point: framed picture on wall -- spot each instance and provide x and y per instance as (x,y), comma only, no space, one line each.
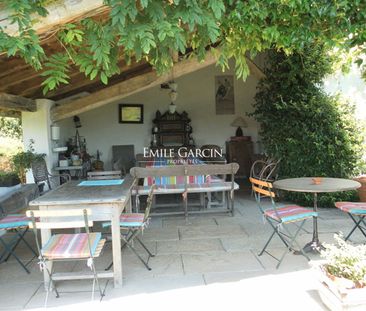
(131,113)
(224,94)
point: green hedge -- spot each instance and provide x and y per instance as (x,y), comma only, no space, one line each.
(313,134)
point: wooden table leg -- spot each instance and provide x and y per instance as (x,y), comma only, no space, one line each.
(45,236)
(116,248)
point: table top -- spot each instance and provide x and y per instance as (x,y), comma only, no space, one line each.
(70,193)
(305,184)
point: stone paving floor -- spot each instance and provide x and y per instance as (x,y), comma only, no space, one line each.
(209,263)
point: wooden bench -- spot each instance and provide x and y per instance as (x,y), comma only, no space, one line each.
(100,175)
(213,185)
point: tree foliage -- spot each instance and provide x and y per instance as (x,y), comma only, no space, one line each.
(155,30)
(313,134)
(10,127)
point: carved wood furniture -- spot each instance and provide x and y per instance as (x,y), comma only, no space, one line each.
(241,152)
(171,130)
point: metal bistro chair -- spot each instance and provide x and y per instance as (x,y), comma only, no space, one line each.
(280,217)
(133,224)
(19,225)
(42,176)
(357,212)
(67,247)
(265,169)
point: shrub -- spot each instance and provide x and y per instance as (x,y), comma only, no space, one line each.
(344,260)
(8,179)
(313,134)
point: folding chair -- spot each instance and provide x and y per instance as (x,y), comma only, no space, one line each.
(280,217)
(67,247)
(133,224)
(357,212)
(19,225)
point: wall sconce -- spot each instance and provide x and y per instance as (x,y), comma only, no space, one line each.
(55,132)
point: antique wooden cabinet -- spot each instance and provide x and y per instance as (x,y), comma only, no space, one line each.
(241,152)
(171,130)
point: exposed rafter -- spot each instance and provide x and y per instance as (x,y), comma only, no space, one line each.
(127,88)
(10,113)
(16,103)
(60,12)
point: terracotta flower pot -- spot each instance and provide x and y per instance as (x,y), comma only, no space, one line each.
(362,190)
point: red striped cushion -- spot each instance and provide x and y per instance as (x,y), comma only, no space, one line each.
(71,245)
(132,220)
(290,213)
(352,207)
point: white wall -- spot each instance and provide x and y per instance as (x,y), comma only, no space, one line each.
(36,127)
(196,95)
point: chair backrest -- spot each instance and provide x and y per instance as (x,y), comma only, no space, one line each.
(40,171)
(143,172)
(123,157)
(265,169)
(149,202)
(262,189)
(102,175)
(60,219)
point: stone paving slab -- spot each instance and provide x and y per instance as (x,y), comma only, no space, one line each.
(189,246)
(202,232)
(219,262)
(192,220)
(160,234)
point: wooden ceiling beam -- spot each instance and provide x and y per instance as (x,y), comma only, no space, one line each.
(10,113)
(127,88)
(16,103)
(60,12)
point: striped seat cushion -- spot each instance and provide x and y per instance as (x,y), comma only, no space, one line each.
(14,221)
(290,213)
(129,220)
(352,207)
(71,245)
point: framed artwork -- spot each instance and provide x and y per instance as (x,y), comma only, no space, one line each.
(131,113)
(224,94)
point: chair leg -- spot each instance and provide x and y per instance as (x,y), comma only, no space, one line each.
(144,246)
(51,283)
(357,225)
(267,243)
(96,280)
(9,250)
(290,244)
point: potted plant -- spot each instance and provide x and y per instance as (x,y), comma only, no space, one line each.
(342,276)
(22,161)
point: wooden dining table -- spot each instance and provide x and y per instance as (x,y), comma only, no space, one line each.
(106,203)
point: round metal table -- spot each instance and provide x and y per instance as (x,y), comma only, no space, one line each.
(306,184)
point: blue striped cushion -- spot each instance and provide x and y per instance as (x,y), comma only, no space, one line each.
(129,220)
(14,221)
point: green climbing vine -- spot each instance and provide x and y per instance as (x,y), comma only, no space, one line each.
(155,30)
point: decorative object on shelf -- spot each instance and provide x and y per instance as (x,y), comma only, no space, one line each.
(77,122)
(97,164)
(174,130)
(131,113)
(239,122)
(224,94)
